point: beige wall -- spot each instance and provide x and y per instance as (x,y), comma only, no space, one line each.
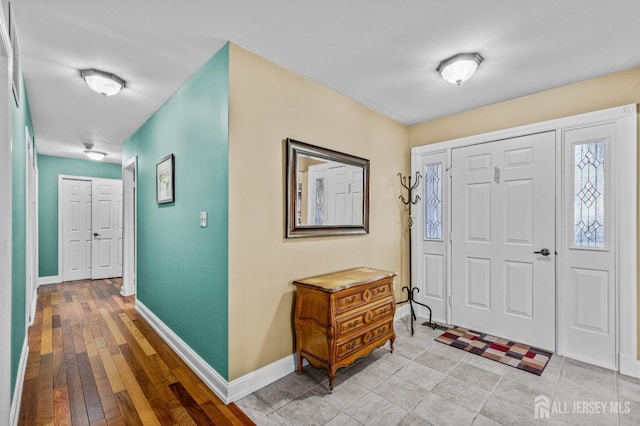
(591,95)
(268,104)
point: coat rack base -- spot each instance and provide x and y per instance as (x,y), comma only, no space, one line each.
(411,299)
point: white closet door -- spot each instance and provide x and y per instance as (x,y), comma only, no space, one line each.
(503,211)
(76,229)
(107,228)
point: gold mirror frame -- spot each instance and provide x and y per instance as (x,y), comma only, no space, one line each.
(294,149)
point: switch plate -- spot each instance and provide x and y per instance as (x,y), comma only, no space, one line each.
(203,219)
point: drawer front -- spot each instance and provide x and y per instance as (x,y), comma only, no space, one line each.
(353,323)
(350,346)
(363,295)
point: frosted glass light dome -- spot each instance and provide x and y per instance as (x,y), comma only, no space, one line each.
(459,68)
(103,83)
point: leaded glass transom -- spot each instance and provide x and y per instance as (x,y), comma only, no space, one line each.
(589,194)
(433,201)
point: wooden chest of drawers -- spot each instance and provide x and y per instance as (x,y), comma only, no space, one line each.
(342,316)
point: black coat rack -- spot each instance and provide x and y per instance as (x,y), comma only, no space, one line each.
(405,181)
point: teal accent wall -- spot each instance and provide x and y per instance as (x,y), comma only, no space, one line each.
(49,168)
(20,117)
(182,273)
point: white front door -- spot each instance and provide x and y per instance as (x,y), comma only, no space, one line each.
(503,212)
(107,228)
(76,229)
(335,194)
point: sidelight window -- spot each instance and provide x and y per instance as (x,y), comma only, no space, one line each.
(433,201)
(589,194)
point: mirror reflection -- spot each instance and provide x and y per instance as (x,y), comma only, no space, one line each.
(327,191)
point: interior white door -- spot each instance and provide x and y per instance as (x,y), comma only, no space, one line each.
(503,212)
(107,216)
(588,329)
(31,230)
(76,229)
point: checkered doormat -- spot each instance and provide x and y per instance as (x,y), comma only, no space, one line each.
(513,354)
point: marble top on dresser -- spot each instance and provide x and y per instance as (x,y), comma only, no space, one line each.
(343,279)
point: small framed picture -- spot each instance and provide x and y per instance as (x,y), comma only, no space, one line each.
(165,180)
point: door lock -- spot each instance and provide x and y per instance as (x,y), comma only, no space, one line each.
(544,252)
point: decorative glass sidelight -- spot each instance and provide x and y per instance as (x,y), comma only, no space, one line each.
(433,201)
(320,202)
(589,194)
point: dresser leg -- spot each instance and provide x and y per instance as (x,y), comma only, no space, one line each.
(299,356)
(393,339)
(332,375)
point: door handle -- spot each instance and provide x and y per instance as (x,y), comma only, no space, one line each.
(544,252)
(96,235)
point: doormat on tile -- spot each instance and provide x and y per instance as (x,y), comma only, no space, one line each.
(513,354)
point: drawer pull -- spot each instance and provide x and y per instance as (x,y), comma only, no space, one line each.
(368,317)
(350,345)
(352,324)
(381,289)
(350,299)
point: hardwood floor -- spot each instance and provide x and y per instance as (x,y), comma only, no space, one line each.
(94,361)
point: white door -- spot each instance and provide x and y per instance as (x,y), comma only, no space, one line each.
(335,192)
(429,234)
(129,170)
(31,230)
(503,212)
(76,229)
(107,228)
(588,326)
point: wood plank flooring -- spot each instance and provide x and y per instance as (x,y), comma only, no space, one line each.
(94,361)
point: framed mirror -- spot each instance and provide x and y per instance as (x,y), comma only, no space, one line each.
(327,192)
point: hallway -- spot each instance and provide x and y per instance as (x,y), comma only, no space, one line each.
(93,361)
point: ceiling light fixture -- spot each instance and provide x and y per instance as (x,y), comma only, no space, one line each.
(93,155)
(459,68)
(103,83)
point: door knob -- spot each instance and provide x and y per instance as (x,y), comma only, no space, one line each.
(544,252)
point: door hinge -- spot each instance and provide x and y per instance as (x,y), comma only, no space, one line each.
(449,300)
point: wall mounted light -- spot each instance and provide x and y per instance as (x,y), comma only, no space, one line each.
(459,68)
(91,153)
(103,83)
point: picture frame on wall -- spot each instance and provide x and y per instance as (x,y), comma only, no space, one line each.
(165,180)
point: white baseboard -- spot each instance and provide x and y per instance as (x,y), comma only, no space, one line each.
(227,391)
(402,311)
(17,392)
(48,280)
(207,374)
(629,366)
(34,305)
(257,379)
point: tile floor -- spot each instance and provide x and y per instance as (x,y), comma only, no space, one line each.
(428,383)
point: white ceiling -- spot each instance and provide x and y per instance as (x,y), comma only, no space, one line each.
(382,53)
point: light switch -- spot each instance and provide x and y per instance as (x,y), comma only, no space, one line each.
(203,219)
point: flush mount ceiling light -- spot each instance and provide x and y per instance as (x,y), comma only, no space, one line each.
(459,68)
(103,83)
(93,155)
